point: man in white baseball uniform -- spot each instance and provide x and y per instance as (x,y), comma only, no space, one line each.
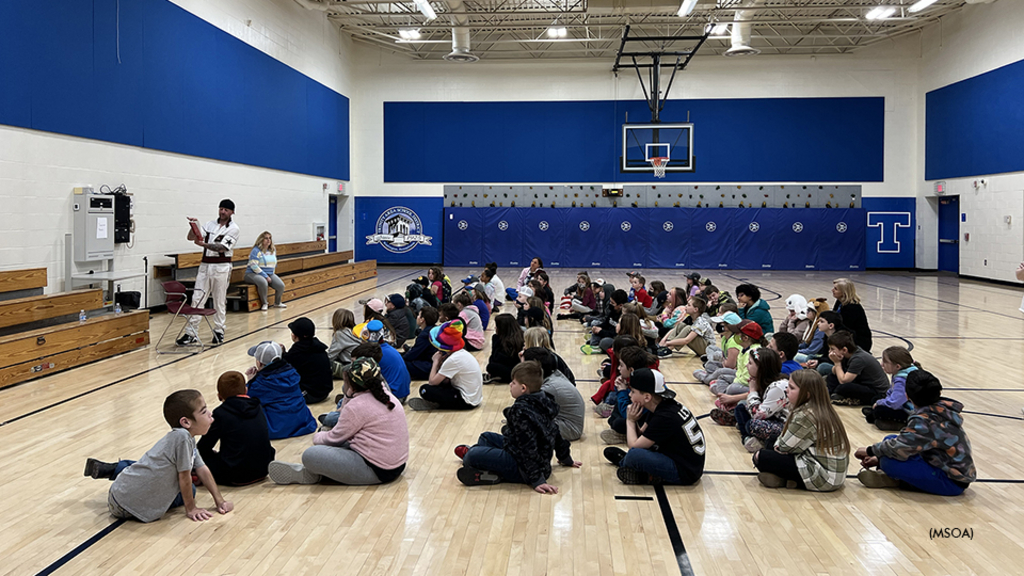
(218,243)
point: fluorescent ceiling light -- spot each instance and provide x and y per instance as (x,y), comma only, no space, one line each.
(409,34)
(557,32)
(881,13)
(720,29)
(922,5)
(686,7)
(426,9)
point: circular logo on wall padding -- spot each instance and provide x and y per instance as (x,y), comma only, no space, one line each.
(399,230)
(463,224)
(584,225)
(543,225)
(798,227)
(503,225)
(667,226)
(841,227)
(754,227)
(626,226)
(710,226)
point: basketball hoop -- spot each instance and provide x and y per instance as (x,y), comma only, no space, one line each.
(659,163)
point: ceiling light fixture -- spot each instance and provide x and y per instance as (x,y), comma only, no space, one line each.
(881,13)
(686,7)
(557,32)
(425,9)
(921,5)
(720,29)
(409,34)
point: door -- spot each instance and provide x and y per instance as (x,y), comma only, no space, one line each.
(332,225)
(949,234)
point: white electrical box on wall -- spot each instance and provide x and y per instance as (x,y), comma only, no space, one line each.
(94,225)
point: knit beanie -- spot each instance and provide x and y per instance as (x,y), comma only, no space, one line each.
(448,336)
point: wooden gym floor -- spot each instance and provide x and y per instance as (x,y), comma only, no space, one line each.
(52,519)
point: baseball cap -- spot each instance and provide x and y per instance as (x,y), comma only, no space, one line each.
(728,318)
(693,276)
(448,336)
(361,370)
(526,292)
(266,352)
(376,304)
(397,300)
(302,327)
(752,329)
(647,380)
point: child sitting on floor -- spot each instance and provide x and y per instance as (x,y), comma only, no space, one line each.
(813,451)
(162,479)
(731,391)
(721,360)
(456,382)
(890,413)
(392,365)
(240,426)
(797,322)
(308,355)
(368,445)
(522,452)
(275,384)
(638,292)
(539,338)
(761,418)
(470,315)
(398,315)
(786,344)
(506,343)
(696,336)
(931,454)
(419,358)
(343,340)
(571,407)
(666,444)
(659,295)
(630,359)
(856,378)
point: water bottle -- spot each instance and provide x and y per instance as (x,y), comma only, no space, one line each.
(117,307)
(82,317)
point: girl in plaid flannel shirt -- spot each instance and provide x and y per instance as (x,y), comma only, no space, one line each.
(813,450)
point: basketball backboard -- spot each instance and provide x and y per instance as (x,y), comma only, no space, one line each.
(641,142)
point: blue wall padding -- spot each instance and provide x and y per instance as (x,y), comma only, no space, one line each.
(891,232)
(735,140)
(504,230)
(698,239)
(181,85)
(973,127)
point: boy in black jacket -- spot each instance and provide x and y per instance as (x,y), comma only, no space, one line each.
(420,358)
(308,356)
(522,452)
(240,426)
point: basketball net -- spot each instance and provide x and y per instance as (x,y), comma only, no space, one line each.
(659,164)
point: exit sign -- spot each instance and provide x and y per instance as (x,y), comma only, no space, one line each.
(940,188)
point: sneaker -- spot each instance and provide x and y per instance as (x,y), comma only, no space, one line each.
(187,340)
(263,308)
(604,410)
(614,454)
(700,374)
(610,436)
(363,301)
(487,379)
(876,479)
(285,473)
(704,358)
(769,480)
(664,351)
(633,476)
(588,349)
(321,418)
(97,469)
(723,417)
(753,444)
(280,305)
(218,338)
(420,404)
(868,411)
(889,425)
(473,477)
(337,398)
(461,450)
(844,401)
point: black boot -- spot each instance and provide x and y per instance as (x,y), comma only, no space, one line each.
(96,469)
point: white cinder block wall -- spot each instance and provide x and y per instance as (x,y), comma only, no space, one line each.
(980,38)
(38,170)
(890,70)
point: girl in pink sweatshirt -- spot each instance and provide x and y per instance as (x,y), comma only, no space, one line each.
(368,445)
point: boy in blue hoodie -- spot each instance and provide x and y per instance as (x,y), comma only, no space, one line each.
(275,384)
(786,345)
(522,452)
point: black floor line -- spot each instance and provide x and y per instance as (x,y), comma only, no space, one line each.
(854,476)
(81,548)
(175,361)
(910,345)
(992,415)
(673,532)
(633,498)
(944,388)
(730,472)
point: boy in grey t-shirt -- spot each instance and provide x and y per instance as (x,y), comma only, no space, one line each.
(162,479)
(572,409)
(856,378)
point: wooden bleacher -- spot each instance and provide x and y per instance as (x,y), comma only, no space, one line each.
(303,267)
(21,283)
(42,334)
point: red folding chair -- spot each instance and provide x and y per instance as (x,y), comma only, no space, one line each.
(174,293)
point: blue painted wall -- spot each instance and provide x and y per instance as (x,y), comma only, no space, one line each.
(735,140)
(372,213)
(181,85)
(891,232)
(974,127)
